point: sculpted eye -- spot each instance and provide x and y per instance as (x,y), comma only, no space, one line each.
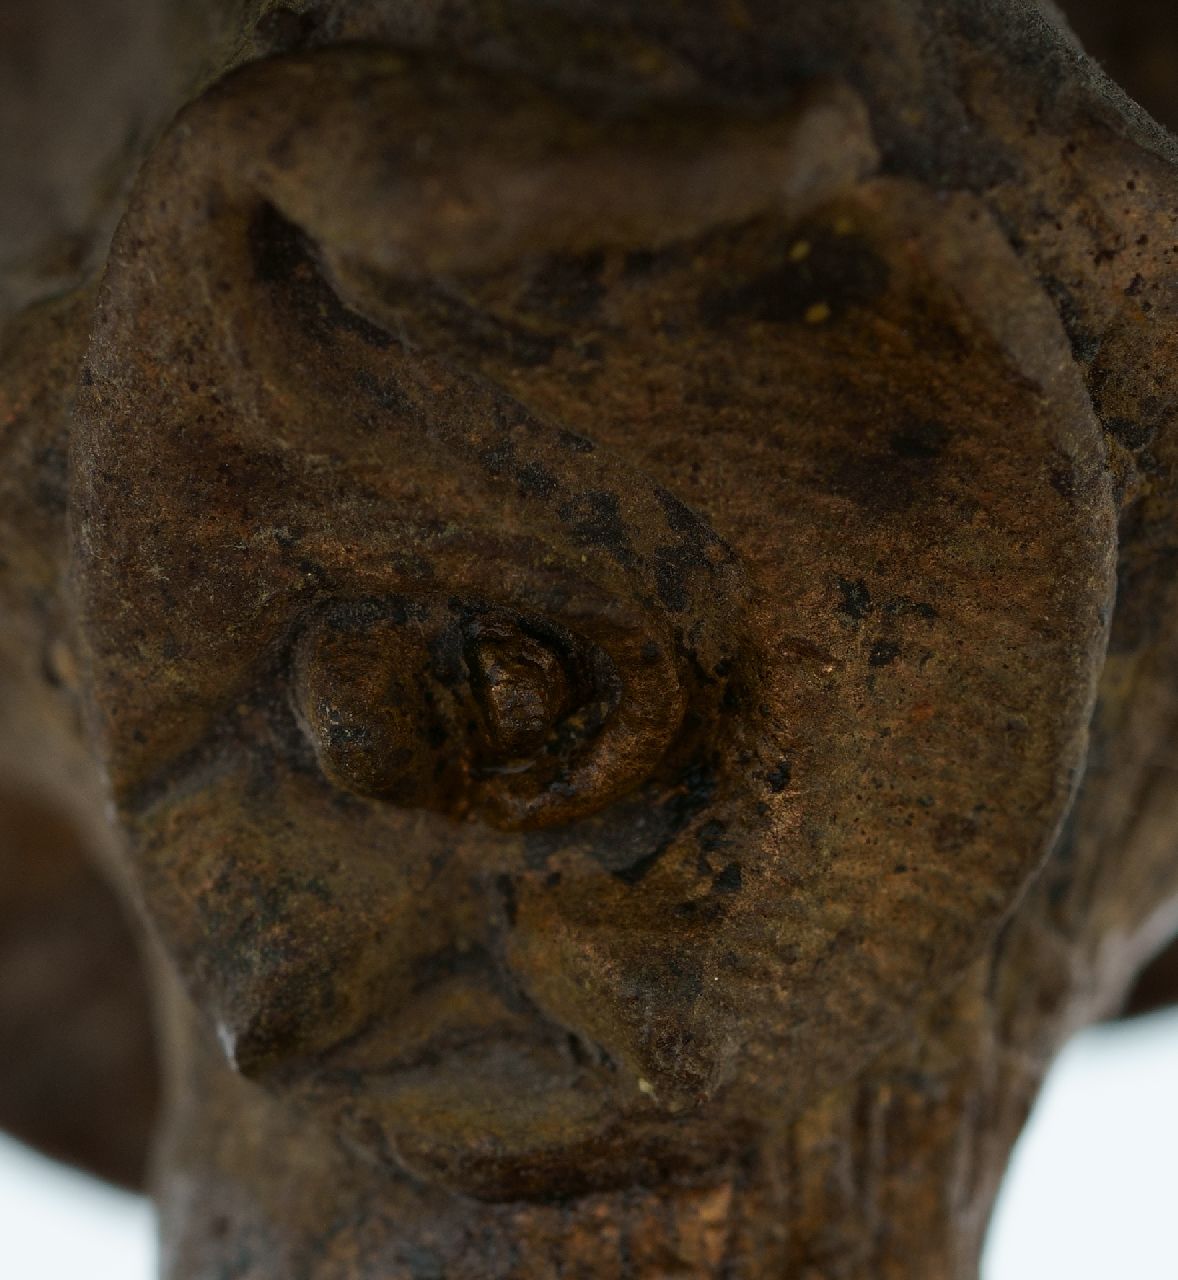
(475,711)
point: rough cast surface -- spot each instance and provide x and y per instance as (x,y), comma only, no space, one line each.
(598,577)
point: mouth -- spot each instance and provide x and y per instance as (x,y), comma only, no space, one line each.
(463,1090)
(456,1020)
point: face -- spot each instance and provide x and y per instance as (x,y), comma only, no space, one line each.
(589,629)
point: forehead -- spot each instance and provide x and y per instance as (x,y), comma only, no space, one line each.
(782,381)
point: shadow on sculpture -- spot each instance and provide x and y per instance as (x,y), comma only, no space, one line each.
(609,612)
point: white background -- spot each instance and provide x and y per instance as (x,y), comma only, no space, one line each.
(1092,1194)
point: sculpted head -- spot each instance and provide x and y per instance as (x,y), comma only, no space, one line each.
(591,605)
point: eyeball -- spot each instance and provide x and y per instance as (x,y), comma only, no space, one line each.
(480,712)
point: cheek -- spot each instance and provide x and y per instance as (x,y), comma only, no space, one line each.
(829,863)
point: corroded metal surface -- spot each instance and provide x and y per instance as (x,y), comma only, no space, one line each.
(615,624)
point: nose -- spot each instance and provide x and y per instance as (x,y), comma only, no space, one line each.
(614,973)
(277,1022)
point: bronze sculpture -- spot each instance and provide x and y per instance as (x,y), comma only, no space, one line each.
(587,629)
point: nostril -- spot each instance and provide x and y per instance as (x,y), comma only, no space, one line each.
(272,1047)
(251,1053)
(274,1030)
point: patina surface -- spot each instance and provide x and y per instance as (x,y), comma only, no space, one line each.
(598,577)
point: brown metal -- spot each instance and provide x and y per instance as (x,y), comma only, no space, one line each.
(611,611)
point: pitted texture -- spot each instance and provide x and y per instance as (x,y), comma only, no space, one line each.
(593,531)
